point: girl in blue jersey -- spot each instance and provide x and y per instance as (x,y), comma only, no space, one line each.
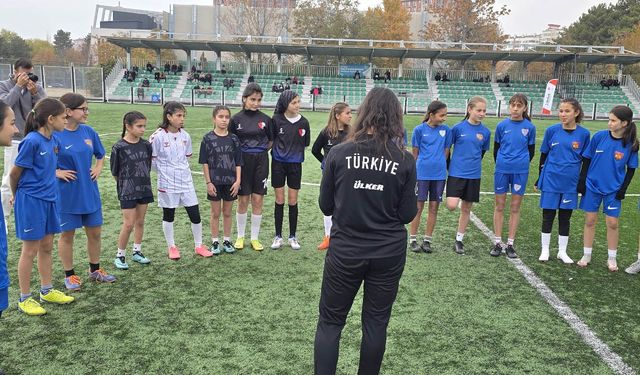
(34,186)
(607,169)
(431,143)
(560,158)
(513,150)
(79,200)
(470,140)
(334,133)
(7,130)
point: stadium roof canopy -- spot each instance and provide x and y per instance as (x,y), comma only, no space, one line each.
(552,53)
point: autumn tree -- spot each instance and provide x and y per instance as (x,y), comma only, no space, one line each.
(42,52)
(603,24)
(12,45)
(388,22)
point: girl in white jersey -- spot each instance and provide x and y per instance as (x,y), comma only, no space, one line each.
(171,152)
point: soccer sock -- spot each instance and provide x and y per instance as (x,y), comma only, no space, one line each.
(45,289)
(497,240)
(70,272)
(93,267)
(413,238)
(587,251)
(327,225)
(293,219)
(612,254)
(563,241)
(24,296)
(167,229)
(278,214)
(196,229)
(121,253)
(137,247)
(545,239)
(428,239)
(241,223)
(256,220)
(510,241)
(227,239)
(214,239)
(459,236)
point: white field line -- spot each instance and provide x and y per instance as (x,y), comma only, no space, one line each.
(613,360)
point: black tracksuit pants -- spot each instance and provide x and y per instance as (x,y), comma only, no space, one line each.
(341,281)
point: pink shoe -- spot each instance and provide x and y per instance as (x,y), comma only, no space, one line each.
(174,253)
(203,251)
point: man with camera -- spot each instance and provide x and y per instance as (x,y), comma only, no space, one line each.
(21,91)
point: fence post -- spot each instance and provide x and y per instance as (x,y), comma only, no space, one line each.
(73,79)
(313,102)
(595,108)
(193,99)
(531,110)
(42,75)
(131,95)
(499,109)
(162,96)
(104,86)
(405,105)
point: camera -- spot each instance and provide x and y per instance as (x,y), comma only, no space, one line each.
(32,77)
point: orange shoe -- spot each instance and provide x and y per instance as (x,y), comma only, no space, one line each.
(174,253)
(324,245)
(203,251)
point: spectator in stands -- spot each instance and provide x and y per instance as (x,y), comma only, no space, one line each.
(189,77)
(226,83)
(140,93)
(487,78)
(294,80)
(174,69)
(387,76)
(196,76)
(167,67)
(506,79)
(444,77)
(616,83)
(135,69)
(208,78)
(232,83)
(315,91)
(376,76)
(180,68)
(149,67)
(223,70)
(288,80)
(145,83)
(126,74)
(197,90)
(162,77)
(280,87)
(356,75)
(130,76)
(134,73)
(274,87)
(287,86)
(251,78)
(193,69)
(209,91)
(319,90)
(156,76)
(437,77)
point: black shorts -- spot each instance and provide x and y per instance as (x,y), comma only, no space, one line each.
(291,172)
(255,172)
(223,193)
(129,204)
(466,189)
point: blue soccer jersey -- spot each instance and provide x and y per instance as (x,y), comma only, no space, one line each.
(564,151)
(609,162)
(37,156)
(431,143)
(514,138)
(4,273)
(76,150)
(469,141)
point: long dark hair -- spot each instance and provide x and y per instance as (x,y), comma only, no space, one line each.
(286,97)
(3,112)
(433,108)
(39,115)
(72,100)
(129,119)
(250,89)
(576,107)
(170,108)
(521,98)
(629,136)
(381,113)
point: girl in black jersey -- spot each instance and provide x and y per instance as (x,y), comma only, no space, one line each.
(131,167)
(336,130)
(253,129)
(368,185)
(290,137)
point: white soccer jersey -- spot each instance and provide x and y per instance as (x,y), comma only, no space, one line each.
(171,153)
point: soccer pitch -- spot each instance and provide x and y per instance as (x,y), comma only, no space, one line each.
(256,312)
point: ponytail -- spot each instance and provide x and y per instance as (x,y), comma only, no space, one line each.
(129,119)
(630,134)
(39,115)
(472,104)
(433,107)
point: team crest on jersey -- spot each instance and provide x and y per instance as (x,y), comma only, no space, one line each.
(302,132)
(88,142)
(281,131)
(618,155)
(239,126)
(442,133)
(575,145)
(262,125)
(329,142)
(480,136)
(525,132)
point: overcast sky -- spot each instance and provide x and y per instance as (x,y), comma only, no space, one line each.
(42,18)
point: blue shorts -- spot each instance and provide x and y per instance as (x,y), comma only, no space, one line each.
(4,298)
(35,218)
(590,202)
(430,189)
(554,201)
(74,221)
(517,182)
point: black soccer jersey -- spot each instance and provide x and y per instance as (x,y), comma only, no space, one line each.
(222,154)
(131,165)
(371,198)
(324,143)
(253,129)
(289,139)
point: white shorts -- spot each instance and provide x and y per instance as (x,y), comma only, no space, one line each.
(174,200)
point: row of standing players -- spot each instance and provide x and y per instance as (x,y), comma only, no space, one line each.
(235,164)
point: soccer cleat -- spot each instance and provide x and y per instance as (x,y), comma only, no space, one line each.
(511,252)
(215,248)
(426,247)
(174,253)
(140,258)
(458,247)
(239,243)
(56,296)
(324,245)
(562,255)
(227,248)
(72,283)
(634,268)
(31,307)
(203,251)
(256,245)
(612,264)
(584,261)
(277,242)
(544,255)
(121,263)
(293,242)
(100,276)
(413,245)
(496,251)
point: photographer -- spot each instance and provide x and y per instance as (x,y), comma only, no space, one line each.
(21,92)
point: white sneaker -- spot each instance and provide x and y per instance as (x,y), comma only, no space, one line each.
(293,242)
(277,243)
(634,268)
(544,255)
(562,255)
